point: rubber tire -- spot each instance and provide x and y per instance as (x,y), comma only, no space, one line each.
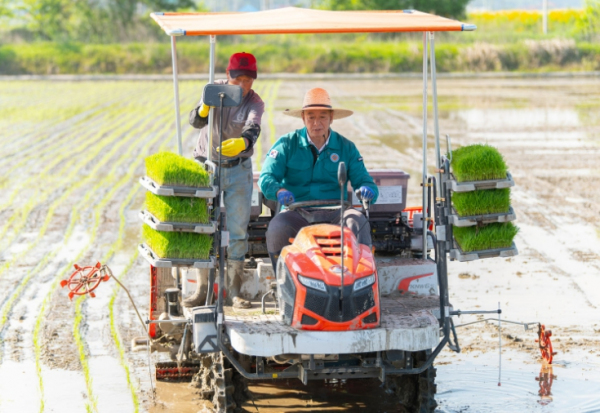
(416,392)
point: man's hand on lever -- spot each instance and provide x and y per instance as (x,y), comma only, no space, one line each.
(285,197)
(233,146)
(366,193)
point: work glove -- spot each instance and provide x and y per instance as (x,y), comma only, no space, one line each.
(233,146)
(203,111)
(366,193)
(285,197)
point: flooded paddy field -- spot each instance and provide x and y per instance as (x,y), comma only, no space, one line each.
(71,154)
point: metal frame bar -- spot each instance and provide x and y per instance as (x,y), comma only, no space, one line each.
(424,183)
(211,115)
(176,87)
(435,111)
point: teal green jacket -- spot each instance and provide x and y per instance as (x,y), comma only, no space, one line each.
(290,164)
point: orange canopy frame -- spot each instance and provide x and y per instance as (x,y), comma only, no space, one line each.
(297,20)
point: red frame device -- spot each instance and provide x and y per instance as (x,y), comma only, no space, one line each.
(309,280)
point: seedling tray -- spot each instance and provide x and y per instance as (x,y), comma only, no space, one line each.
(457,253)
(478,185)
(469,221)
(155,261)
(169,226)
(170,190)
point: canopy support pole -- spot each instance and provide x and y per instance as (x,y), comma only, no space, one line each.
(424,184)
(435,112)
(211,114)
(176,87)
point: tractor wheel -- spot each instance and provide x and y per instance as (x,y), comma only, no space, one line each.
(220,383)
(416,392)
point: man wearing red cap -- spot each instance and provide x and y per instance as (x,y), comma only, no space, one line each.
(241,129)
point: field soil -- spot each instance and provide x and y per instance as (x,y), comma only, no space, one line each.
(71,157)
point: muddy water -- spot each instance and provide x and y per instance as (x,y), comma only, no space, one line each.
(549,134)
(471,384)
(464,384)
(329,396)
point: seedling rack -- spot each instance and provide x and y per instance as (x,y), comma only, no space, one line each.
(467,221)
(469,186)
(158,262)
(174,190)
(456,253)
(170,226)
(450,218)
(208,193)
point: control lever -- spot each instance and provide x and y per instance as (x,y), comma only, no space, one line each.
(365,203)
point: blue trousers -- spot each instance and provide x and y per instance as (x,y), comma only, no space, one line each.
(236,184)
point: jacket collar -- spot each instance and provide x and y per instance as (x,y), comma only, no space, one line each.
(334,139)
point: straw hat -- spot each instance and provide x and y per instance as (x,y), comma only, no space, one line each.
(318,99)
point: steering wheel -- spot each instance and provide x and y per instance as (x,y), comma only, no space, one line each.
(330,203)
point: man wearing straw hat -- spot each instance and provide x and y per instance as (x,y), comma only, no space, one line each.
(241,129)
(303,165)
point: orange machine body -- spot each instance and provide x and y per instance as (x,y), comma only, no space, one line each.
(309,280)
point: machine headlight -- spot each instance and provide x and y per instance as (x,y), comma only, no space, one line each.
(364,282)
(312,283)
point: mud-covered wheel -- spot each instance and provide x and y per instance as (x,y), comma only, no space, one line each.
(219,382)
(416,392)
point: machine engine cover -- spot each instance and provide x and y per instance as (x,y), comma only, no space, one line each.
(309,280)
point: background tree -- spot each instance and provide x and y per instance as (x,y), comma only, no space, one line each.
(98,21)
(448,8)
(589,25)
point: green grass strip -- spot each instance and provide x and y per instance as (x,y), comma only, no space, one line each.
(92,402)
(168,168)
(489,201)
(177,209)
(114,332)
(478,163)
(491,236)
(186,245)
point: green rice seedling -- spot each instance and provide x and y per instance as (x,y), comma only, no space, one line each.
(488,237)
(187,245)
(477,163)
(489,201)
(177,209)
(167,168)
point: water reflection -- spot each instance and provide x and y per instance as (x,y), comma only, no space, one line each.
(469,383)
(545,381)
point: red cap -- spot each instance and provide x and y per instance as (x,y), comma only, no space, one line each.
(242,64)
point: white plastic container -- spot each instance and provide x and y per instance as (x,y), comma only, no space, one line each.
(205,329)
